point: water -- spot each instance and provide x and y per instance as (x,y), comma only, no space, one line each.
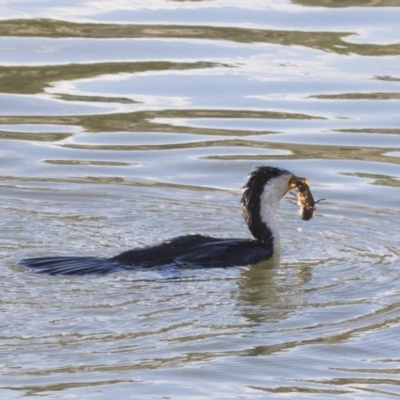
(126,123)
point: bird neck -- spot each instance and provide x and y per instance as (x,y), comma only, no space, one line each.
(260,202)
(262,221)
(269,206)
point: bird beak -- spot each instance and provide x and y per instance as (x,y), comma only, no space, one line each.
(295,182)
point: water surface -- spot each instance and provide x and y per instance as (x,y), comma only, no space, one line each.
(126,123)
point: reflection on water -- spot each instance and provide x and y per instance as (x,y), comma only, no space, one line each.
(35,79)
(349,3)
(336,42)
(126,123)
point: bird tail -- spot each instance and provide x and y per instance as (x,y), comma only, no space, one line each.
(71,265)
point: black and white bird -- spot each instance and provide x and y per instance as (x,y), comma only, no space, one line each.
(262,192)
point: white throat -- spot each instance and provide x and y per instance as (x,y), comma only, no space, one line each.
(273,192)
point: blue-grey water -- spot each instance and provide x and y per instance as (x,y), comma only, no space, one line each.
(125,123)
